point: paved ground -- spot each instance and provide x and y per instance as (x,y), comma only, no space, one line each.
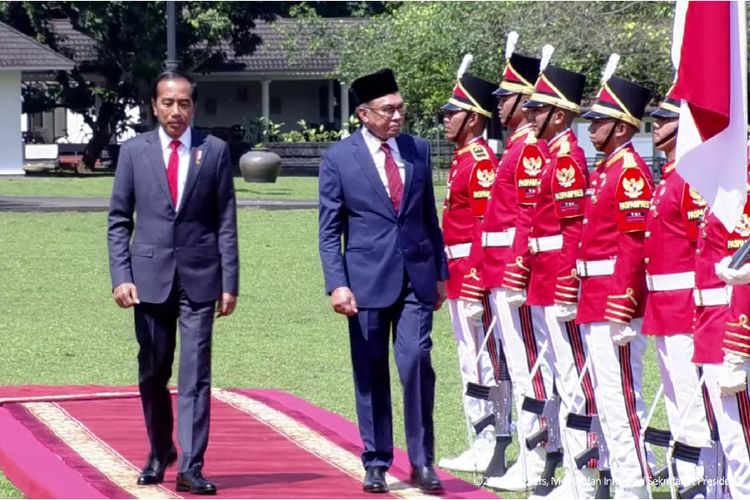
(57,204)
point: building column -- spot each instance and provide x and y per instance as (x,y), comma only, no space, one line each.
(344,107)
(11,142)
(330,102)
(266,98)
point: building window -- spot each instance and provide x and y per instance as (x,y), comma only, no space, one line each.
(211,106)
(647,127)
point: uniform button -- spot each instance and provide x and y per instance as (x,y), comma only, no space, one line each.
(602,175)
(455,162)
(580,244)
(647,234)
(662,182)
(646,260)
(656,214)
(585,221)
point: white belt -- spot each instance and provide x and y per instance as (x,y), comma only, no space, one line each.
(546,243)
(458,251)
(588,268)
(712,296)
(669,282)
(500,239)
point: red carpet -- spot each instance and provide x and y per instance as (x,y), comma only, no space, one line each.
(90,442)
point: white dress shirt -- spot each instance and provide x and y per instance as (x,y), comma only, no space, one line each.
(183,152)
(378,156)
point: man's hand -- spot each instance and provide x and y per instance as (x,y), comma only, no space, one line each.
(441,295)
(621,334)
(515,298)
(733,375)
(739,276)
(566,312)
(343,301)
(226,305)
(126,295)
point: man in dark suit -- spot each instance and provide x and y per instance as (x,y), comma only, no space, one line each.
(180,267)
(376,191)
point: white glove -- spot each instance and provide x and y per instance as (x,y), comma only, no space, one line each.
(566,312)
(474,310)
(739,276)
(621,334)
(733,376)
(516,298)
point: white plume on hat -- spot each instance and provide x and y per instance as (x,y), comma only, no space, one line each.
(547,51)
(510,45)
(464,65)
(609,70)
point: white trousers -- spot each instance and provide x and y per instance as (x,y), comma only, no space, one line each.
(733,419)
(469,336)
(569,353)
(523,342)
(617,375)
(679,376)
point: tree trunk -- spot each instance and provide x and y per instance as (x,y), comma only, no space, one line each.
(102,131)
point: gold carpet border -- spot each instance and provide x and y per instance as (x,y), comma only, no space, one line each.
(311,440)
(94,451)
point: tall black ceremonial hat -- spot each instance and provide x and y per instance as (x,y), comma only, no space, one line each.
(472,93)
(558,87)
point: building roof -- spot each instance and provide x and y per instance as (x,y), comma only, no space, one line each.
(20,52)
(285,49)
(80,47)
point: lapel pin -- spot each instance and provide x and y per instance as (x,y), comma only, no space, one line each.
(198,157)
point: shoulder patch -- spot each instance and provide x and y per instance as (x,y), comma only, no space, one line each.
(629,160)
(479,152)
(569,188)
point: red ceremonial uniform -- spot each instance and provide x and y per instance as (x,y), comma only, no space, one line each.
(555,226)
(471,176)
(737,334)
(669,248)
(502,210)
(610,256)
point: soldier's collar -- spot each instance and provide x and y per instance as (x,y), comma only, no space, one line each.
(617,154)
(521,131)
(554,143)
(468,145)
(668,168)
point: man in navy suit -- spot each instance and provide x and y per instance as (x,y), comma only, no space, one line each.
(376,191)
(180,267)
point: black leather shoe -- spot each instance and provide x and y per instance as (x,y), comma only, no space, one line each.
(153,472)
(426,479)
(375,480)
(194,482)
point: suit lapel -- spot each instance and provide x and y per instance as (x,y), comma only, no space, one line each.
(155,156)
(197,154)
(408,154)
(366,163)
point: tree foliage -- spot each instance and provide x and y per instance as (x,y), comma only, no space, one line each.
(131,47)
(424,43)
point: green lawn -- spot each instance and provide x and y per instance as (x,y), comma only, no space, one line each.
(285,188)
(60,325)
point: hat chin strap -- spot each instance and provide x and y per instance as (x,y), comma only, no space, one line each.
(667,138)
(463,124)
(513,109)
(546,122)
(611,133)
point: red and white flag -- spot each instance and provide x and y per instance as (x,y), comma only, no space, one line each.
(709,51)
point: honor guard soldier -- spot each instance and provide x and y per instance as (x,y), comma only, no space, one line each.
(514,325)
(550,255)
(725,352)
(611,269)
(471,175)
(670,242)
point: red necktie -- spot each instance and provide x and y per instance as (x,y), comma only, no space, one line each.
(395,185)
(173,168)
